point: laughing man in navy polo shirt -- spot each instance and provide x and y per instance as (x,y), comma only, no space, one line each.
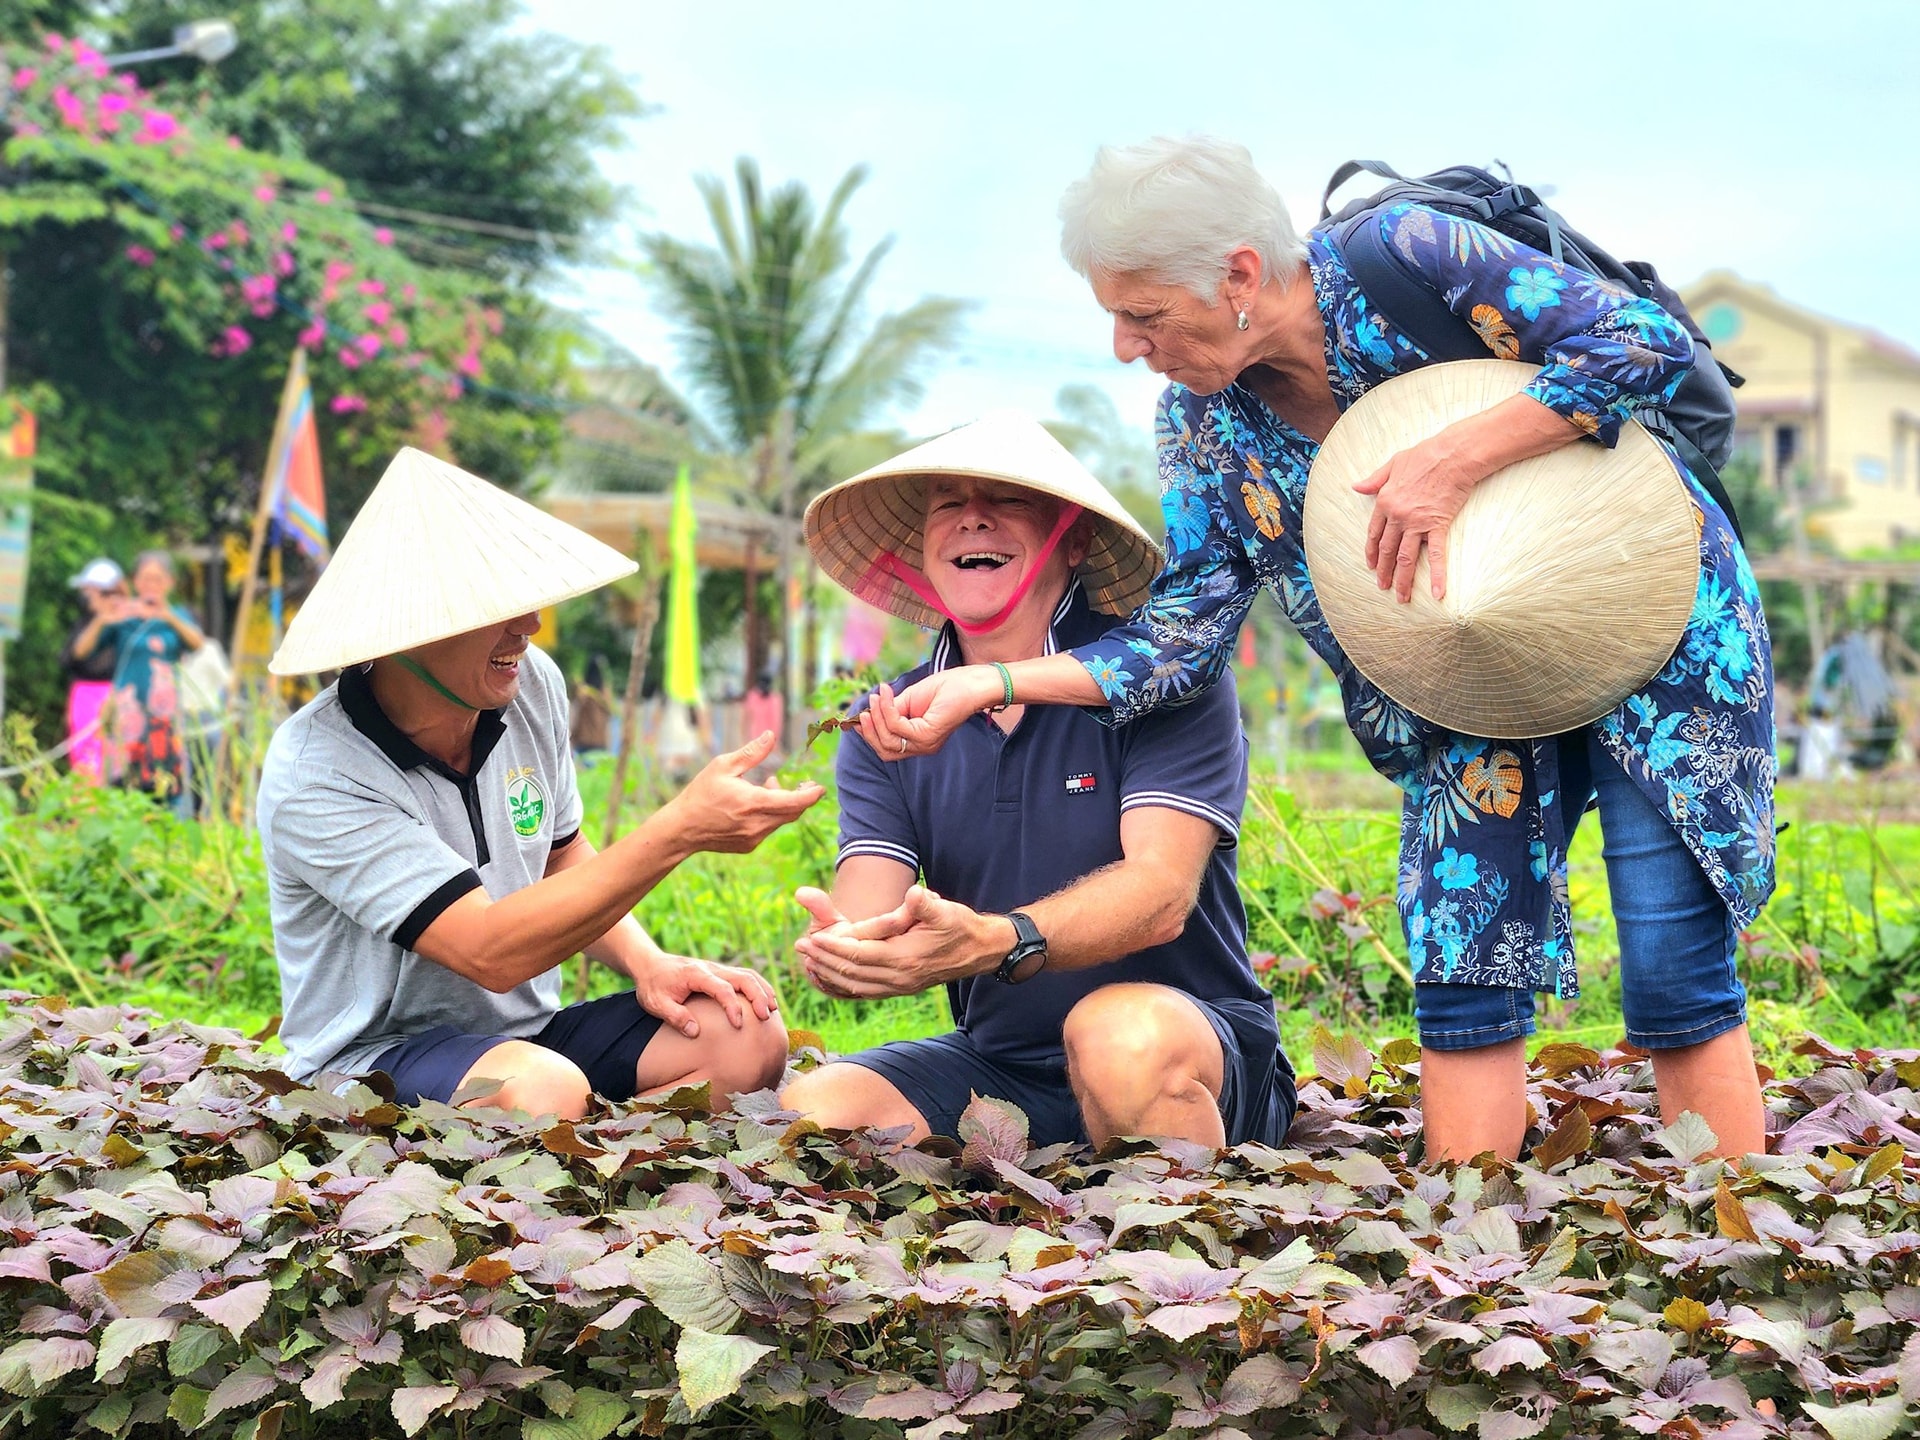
(1071,883)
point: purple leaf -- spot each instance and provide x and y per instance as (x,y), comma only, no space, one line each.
(414,1405)
(494,1335)
(1395,1360)
(992,1130)
(238,1307)
(248,1385)
(1509,1350)
(1183,1322)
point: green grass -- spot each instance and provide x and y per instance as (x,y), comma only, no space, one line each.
(104,898)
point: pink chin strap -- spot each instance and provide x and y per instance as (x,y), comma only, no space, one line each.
(873,584)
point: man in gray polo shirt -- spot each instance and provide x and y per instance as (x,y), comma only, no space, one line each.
(421,828)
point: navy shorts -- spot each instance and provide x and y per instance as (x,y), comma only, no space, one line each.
(1678,984)
(603,1037)
(941,1075)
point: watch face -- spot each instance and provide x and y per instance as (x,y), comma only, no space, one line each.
(1025,967)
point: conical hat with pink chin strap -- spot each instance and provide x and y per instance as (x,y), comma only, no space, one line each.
(866,532)
(436,552)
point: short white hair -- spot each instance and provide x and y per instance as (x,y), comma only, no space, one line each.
(1173,210)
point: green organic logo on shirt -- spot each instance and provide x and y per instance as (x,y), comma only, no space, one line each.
(526,802)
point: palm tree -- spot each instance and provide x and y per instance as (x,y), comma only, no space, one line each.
(768,321)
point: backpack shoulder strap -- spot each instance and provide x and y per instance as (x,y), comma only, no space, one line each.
(1400,295)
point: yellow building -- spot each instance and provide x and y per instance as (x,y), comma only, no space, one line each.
(1829,406)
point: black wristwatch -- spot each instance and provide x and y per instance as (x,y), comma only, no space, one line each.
(1029,954)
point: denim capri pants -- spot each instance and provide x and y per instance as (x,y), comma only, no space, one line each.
(1677,980)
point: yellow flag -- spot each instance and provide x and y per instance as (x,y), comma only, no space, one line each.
(683,617)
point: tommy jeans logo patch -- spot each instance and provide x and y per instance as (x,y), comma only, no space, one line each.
(1080,784)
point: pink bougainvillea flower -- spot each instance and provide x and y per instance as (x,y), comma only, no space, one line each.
(233,142)
(141,255)
(313,334)
(378,313)
(337,271)
(493,318)
(349,357)
(323,197)
(88,58)
(260,291)
(289,232)
(238,232)
(24,77)
(265,194)
(233,341)
(114,103)
(408,291)
(216,241)
(397,336)
(176,232)
(283,263)
(469,364)
(368,345)
(346,404)
(56,43)
(70,108)
(382,236)
(156,126)
(372,287)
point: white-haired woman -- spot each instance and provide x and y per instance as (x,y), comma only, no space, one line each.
(1267,337)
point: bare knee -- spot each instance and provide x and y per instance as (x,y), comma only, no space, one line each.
(845,1096)
(754,1057)
(1130,1046)
(532,1078)
(731,1060)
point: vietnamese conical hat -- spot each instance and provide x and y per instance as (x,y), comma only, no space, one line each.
(882,510)
(437,552)
(1570,576)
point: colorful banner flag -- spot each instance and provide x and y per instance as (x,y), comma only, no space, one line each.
(16,513)
(683,617)
(293,467)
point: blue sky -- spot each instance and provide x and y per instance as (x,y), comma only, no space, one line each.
(1777,140)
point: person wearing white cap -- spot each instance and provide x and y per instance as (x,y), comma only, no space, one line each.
(89,665)
(422,830)
(1269,338)
(1076,888)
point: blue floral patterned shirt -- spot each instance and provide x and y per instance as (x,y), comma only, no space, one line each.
(1483,863)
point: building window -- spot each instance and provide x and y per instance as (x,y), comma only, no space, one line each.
(1786,449)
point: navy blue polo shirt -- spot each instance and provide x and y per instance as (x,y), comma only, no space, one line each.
(997,821)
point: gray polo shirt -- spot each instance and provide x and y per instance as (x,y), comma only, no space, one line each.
(368,839)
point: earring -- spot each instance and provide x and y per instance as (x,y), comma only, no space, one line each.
(1241,322)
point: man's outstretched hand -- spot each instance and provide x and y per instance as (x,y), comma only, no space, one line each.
(722,810)
(925,941)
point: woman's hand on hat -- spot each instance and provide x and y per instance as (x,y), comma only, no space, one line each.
(1420,491)
(1418,494)
(721,810)
(919,719)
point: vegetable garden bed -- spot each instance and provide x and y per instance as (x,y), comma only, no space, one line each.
(190,1243)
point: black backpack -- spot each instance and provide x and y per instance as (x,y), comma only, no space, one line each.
(1698,420)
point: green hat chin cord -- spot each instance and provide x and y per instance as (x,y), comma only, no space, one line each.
(420,672)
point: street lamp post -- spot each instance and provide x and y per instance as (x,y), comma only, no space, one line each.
(204,40)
